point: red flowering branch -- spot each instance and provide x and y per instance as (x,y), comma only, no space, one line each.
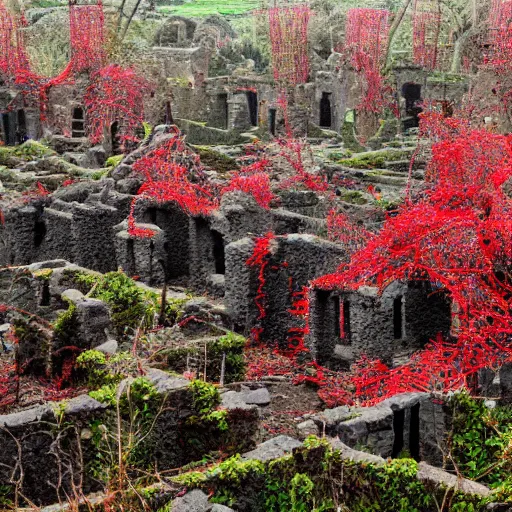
(115,94)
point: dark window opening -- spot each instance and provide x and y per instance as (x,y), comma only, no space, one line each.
(45,295)
(412,94)
(115,138)
(325,110)
(21,132)
(252,101)
(78,123)
(8,130)
(398,431)
(272,115)
(219,113)
(152,214)
(398,317)
(337,317)
(414,434)
(39,233)
(346,321)
(219,253)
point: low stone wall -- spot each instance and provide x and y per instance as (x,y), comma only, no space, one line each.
(412,423)
(66,438)
(353,476)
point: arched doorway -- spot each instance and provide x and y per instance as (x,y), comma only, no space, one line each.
(411,92)
(325,110)
(252,102)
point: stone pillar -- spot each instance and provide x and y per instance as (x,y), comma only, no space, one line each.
(93,228)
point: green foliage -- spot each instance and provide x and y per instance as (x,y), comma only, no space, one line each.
(481,440)
(131,306)
(147,130)
(107,394)
(205,400)
(202,8)
(140,400)
(231,345)
(6,491)
(29,150)
(138,403)
(102,371)
(66,324)
(303,481)
(205,396)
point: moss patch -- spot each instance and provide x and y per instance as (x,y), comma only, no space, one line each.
(216,160)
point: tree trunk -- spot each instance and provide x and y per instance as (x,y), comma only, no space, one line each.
(392,31)
(129,20)
(458,48)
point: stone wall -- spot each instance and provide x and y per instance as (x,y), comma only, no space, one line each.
(62,438)
(415,424)
(294,260)
(346,325)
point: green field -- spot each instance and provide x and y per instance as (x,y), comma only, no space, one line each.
(200,8)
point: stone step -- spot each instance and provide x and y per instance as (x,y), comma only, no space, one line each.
(403,165)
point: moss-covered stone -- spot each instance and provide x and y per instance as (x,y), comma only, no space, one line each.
(216,160)
(375,159)
(307,480)
(353,197)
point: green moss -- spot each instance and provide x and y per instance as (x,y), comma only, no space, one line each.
(130,305)
(216,160)
(98,175)
(202,8)
(375,159)
(43,274)
(353,197)
(114,160)
(205,400)
(65,326)
(363,162)
(6,175)
(303,481)
(29,150)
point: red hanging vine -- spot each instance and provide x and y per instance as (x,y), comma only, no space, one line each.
(289,40)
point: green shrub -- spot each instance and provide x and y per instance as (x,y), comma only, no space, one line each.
(100,370)
(131,306)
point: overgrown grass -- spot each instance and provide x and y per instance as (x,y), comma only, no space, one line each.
(201,8)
